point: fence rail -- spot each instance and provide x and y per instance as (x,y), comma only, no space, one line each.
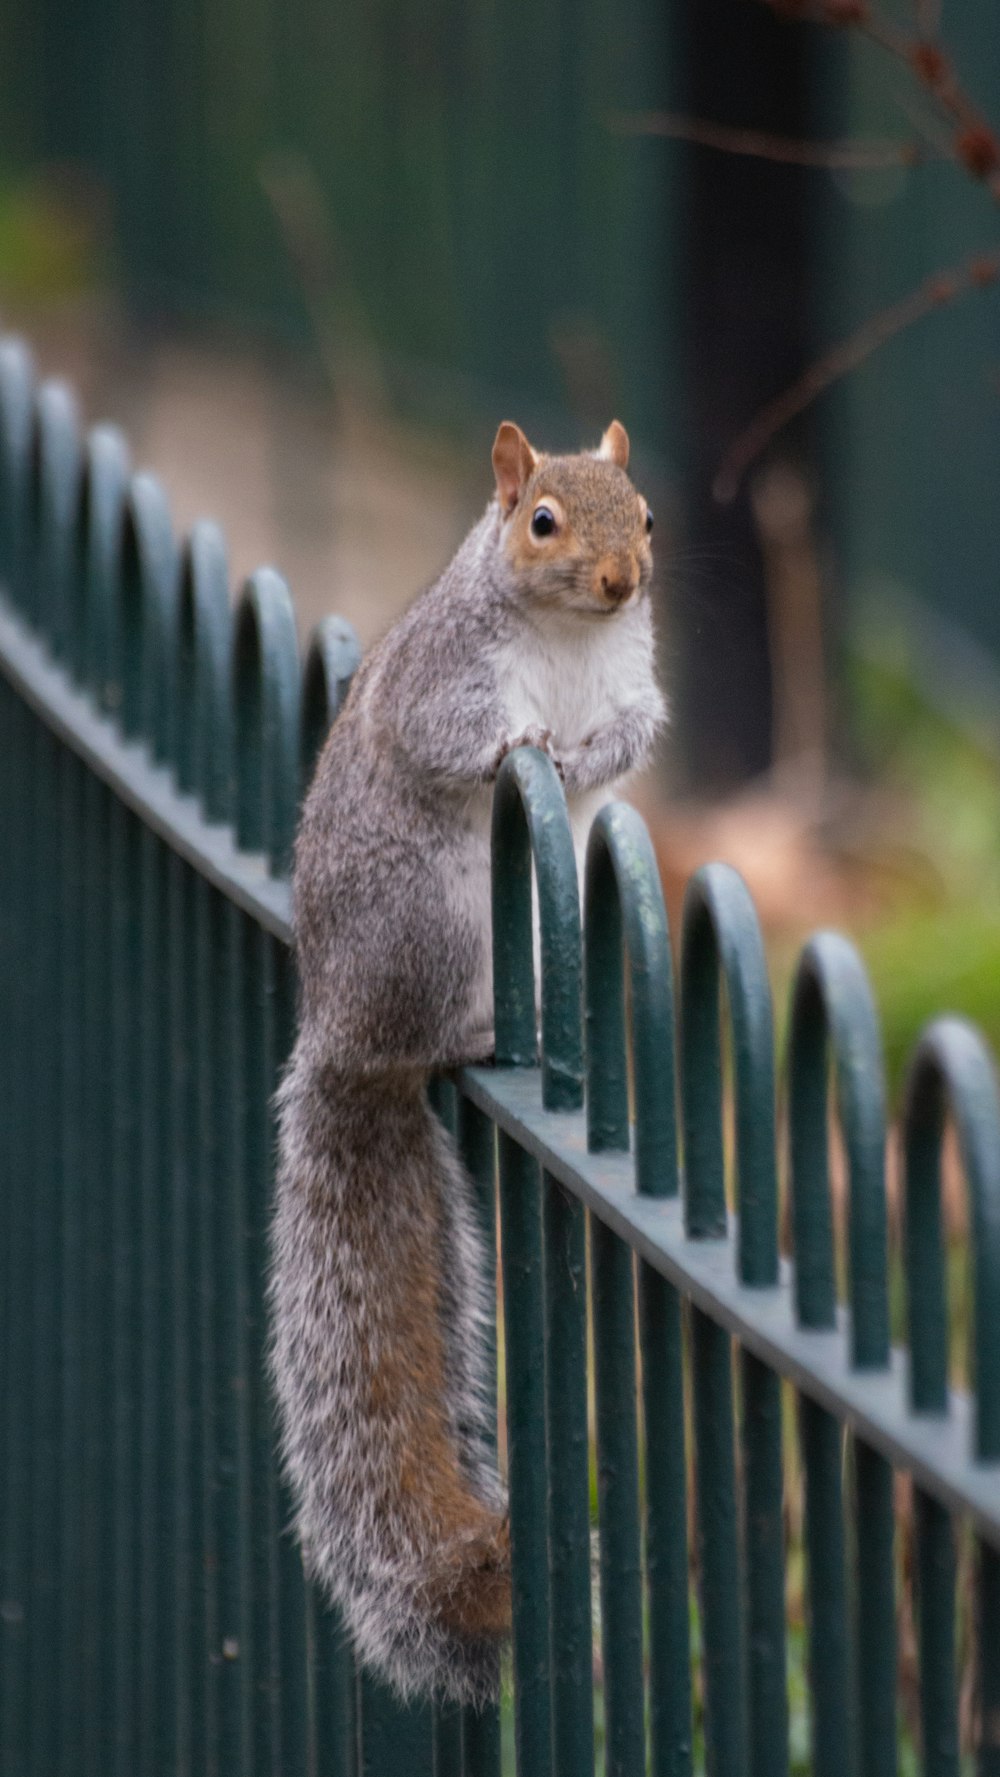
(153,1613)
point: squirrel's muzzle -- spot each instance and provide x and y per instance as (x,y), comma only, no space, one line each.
(615,579)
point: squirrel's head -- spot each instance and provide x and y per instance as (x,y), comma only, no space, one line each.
(574,529)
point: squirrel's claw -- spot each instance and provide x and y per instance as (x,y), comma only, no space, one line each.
(533,736)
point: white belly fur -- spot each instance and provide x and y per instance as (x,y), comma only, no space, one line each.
(572,679)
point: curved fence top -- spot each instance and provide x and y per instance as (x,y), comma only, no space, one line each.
(205,722)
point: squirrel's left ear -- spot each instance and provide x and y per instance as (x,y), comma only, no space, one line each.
(513,463)
(614,445)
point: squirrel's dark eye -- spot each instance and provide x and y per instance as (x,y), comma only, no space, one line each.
(543,522)
(649,521)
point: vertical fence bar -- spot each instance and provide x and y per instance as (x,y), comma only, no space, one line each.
(149,594)
(16,431)
(266,691)
(623,901)
(832,1011)
(391,1737)
(529,820)
(565,1249)
(57,1252)
(233,1501)
(76,1662)
(564,1229)
(205,768)
(124,845)
(98,567)
(951,1071)
(721,934)
(140,1508)
(622,871)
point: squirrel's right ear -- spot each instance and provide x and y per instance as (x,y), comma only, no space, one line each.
(513,462)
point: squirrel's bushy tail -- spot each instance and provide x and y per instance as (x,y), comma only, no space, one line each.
(378,1323)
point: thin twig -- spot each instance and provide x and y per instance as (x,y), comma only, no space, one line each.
(760,145)
(936,292)
(922,56)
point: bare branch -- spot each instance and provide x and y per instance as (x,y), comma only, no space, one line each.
(760,145)
(921,55)
(938,291)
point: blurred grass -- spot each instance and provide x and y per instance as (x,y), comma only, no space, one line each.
(51,236)
(938,950)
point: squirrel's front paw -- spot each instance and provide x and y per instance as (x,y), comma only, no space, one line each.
(534,736)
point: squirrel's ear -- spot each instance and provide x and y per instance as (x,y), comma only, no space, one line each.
(513,462)
(614,445)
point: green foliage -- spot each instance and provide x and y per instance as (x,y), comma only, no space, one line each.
(48,239)
(937,947)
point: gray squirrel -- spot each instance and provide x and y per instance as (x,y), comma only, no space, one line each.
(539,632)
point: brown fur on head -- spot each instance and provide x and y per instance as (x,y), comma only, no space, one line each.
(589,551)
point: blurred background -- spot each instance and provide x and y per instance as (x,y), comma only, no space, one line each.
(309,255)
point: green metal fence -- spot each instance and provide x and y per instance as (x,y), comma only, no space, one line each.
(153,1612)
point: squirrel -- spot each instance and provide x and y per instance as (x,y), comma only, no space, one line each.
(539,632)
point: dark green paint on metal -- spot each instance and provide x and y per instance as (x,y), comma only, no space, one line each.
(720,1588)
(952,1068)
(935,1588)
(721,938)
(16,419)
(148,619)
(103,489)
(618,1500)
(530,823)
(204,640)
(833,1013)
(567,1463)
(332,659)
(153,1614)
(265,690)
(624,901)
(832,1008)
(722,943)
(53,500)
(667,1564)
(821,1443)
(874,1611)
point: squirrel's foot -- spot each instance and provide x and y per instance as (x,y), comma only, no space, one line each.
(532,736)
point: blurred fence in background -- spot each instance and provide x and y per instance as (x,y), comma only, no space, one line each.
(153,1611)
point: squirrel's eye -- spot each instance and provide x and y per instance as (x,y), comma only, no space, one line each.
(649,521)
(543,521)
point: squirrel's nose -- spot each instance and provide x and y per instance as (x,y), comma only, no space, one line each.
(617,579)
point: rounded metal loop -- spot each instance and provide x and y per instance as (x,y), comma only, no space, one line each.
(530,822)
(147,625)
(54,505)
(17,391)
(204,640)
(623,905)
(99,531)
(952,1070)
(721,938)
(266,696)
(833,1013)
(332,659)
